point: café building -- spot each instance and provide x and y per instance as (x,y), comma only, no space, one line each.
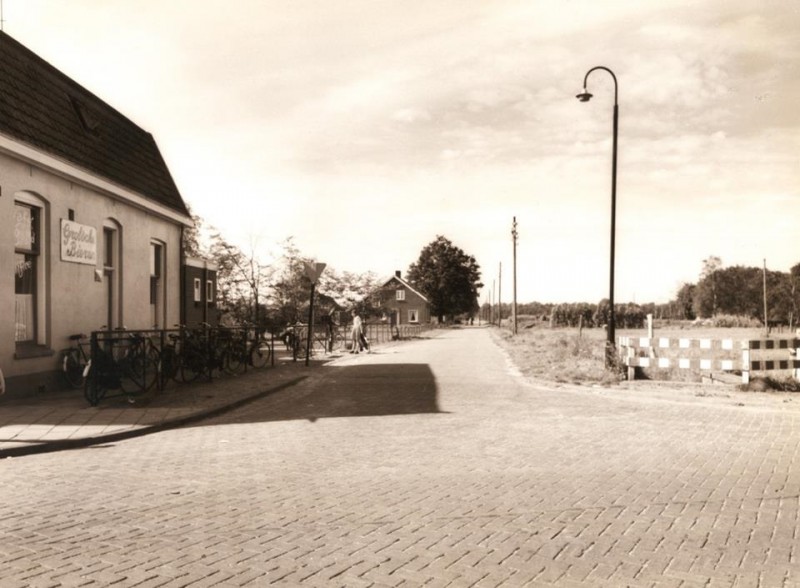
(91,221)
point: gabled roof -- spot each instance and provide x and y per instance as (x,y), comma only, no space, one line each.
(405,284)
(45,109)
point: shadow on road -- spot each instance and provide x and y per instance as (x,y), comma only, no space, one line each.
(357,391)
(268,395)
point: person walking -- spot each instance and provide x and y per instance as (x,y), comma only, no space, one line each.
(356,333)
(363,339)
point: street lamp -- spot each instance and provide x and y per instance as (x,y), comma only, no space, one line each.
(585,96)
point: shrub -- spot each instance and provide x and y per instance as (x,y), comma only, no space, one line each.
(730,321)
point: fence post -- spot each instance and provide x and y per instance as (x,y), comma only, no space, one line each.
(745,362)
(796,356)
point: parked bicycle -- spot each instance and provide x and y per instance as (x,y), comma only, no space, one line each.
(120,361)
(74,360)
(257,349)
(193,354)
(209,351)
(321,337)
(169,358)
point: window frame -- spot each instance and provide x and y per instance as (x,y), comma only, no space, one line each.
(413,315)
(38,251)
(158,254)
(400,294)
(112,270)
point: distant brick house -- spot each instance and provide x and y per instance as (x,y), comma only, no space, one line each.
(402,303)
(199,292)
(91,221)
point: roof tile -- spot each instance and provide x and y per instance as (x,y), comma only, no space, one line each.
(37,107)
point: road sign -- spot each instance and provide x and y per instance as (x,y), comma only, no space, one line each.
(314,270)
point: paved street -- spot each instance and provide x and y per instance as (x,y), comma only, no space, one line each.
(426,463)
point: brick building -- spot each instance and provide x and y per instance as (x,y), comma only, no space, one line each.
(403,304)
(91,220)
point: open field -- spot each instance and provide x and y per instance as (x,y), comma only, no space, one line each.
(572,356)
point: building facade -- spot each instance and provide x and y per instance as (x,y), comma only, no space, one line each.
(403,304)
(199,292)
(91,221)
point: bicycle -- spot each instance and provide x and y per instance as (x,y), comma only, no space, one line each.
(74,360)
(193,355)
(209,349)
(232,347)
(260,352)
(131,367)
(257,350)
(169,359)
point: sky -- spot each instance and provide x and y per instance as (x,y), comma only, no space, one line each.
(366,128)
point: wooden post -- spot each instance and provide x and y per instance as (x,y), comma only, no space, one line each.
(766,317)
(796,355)
(500,296)
(514,304)
(745,362)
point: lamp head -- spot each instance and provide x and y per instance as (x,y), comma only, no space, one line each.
(584,96)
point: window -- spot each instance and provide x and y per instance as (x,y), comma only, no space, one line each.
(156,285)
(29,270)
(413,316)
(111,273)
(400,294)
(198,297)
(210,291)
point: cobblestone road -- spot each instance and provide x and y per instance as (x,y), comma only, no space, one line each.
(430,463)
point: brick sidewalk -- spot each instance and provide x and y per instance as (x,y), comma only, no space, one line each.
(64,420)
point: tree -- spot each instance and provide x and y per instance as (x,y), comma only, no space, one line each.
(685,301)
(241,280)
(351,290)
(290,288)
(448,277)
(191,236)
(706,294)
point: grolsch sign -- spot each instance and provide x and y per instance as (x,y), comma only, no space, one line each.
(78,243)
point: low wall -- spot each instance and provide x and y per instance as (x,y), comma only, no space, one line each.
(709,355)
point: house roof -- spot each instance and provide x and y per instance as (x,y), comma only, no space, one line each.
(405,284)
(45,109)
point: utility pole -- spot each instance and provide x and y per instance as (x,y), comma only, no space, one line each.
(766,319)
(491,306)
(500,296)
(514,304)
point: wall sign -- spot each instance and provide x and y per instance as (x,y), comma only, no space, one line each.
(78,243)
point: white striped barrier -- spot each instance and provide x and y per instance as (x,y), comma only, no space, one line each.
(724,355)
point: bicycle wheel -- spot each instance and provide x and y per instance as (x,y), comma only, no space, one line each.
(72,368)
(193,363)
(233,362)
(93,389)
(260,354)
(168,363)
(139,373)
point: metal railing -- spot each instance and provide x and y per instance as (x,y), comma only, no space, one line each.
(132,363)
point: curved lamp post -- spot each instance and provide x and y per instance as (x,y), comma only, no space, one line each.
(585,96)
